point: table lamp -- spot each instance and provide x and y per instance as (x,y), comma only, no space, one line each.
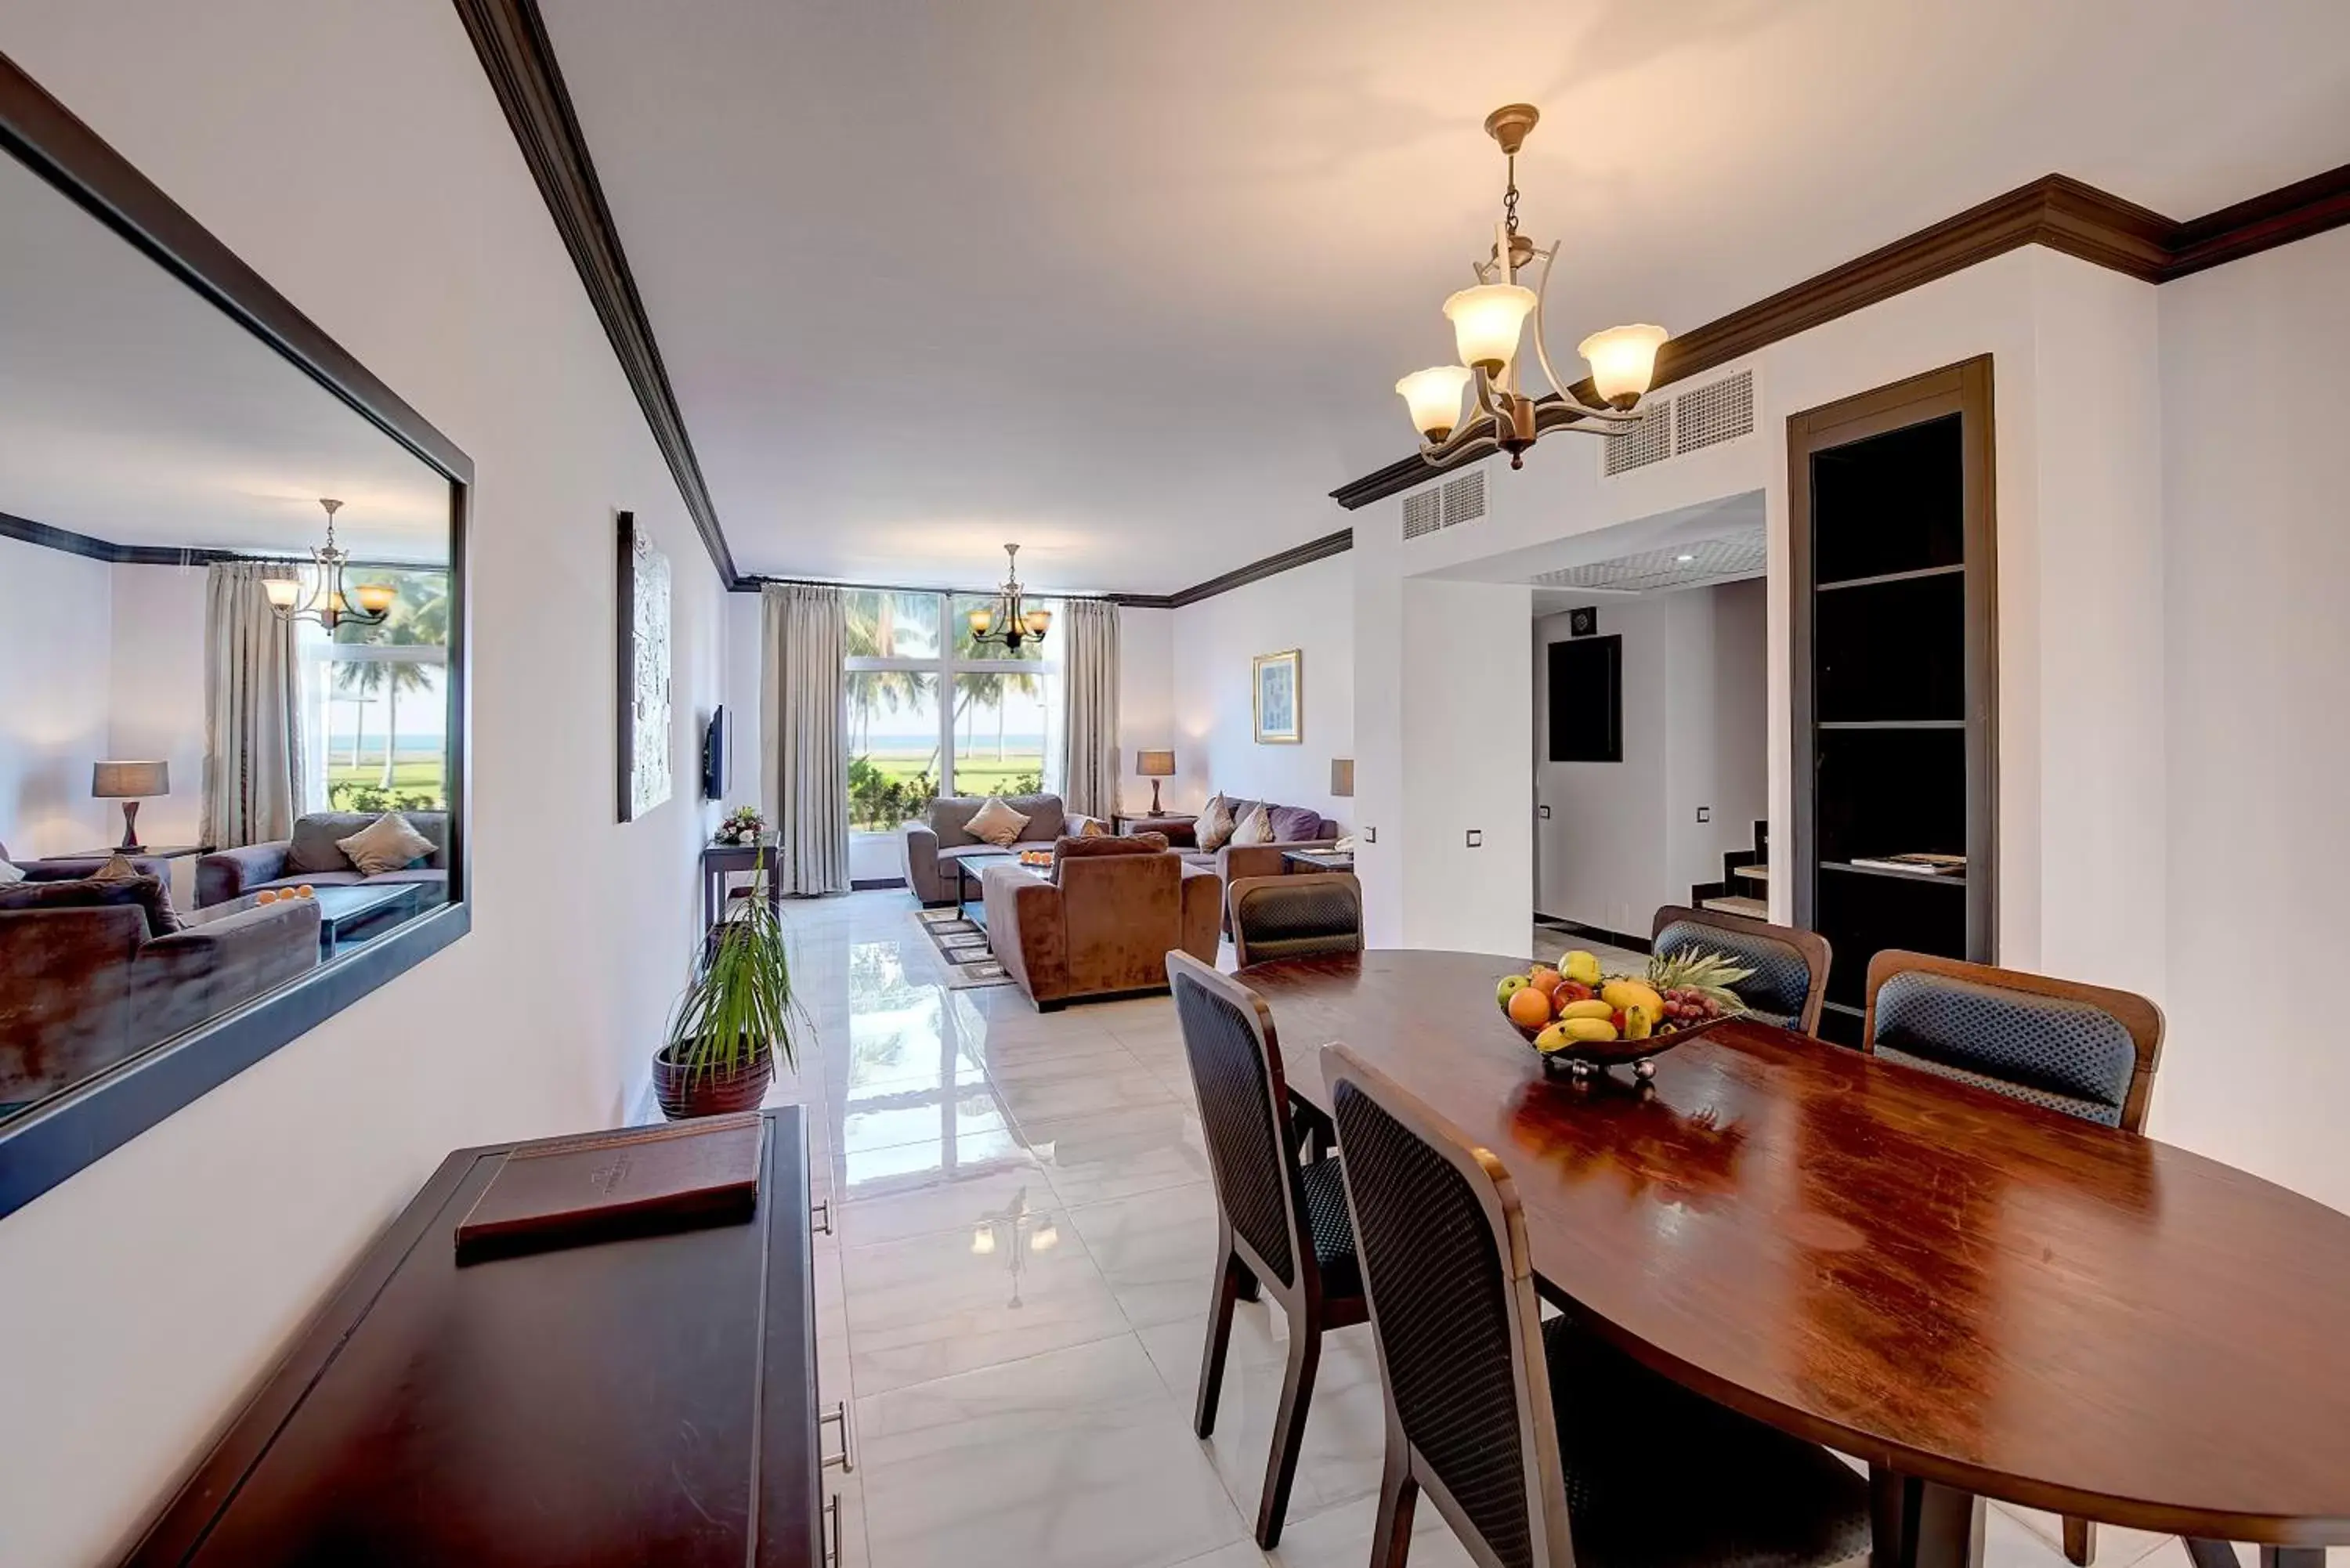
(1154,766)
(130,782)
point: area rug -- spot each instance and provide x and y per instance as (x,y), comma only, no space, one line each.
(970,960)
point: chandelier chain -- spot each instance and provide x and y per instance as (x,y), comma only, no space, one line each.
(1510,199)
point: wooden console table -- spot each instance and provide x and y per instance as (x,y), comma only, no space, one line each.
(719,861)
(641,1400)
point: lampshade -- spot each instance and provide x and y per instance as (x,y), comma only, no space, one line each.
(282,591)
(1486,321)
(1623,361)
(1037,621)
(376,598)
(980,619)
(129,781)
(1154,764)
(1433,395)
(1342,776)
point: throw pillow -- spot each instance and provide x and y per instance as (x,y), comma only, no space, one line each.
(1294,823)
(1095,827)
(387,844)
(88,893)
(9,874)
(1215,825)
(997,824)
(1256,827)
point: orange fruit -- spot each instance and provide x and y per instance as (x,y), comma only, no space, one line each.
(1542,977)
(1529,1008)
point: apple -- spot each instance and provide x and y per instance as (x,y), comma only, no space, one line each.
(1509,982)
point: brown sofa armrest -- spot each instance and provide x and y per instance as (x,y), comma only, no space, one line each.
(1203,912)
(1238,860)
(1026,928)
(922,873)
(232,873)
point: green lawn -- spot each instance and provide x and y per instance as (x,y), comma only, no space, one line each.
(892,787)
(416,782)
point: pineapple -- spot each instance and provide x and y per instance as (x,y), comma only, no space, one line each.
(1697,980)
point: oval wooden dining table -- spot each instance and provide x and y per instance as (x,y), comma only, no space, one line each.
(1978,1297)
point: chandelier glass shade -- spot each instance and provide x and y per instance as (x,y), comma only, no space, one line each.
(324,598)
(1010,622)
(1490,325)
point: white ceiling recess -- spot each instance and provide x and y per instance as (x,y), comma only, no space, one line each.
(1131,282)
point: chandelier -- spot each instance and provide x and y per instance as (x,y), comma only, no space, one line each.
(1488,321)
(1008,622)
(327,603)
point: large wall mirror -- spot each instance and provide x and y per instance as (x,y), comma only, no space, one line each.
(232,660)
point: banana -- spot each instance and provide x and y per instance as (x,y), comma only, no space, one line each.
(1593,1029)
(1593,1008)
(1637,1023)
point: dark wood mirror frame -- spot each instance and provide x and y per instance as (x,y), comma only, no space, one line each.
(60,1137)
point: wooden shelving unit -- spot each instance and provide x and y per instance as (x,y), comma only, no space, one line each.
(1895,638)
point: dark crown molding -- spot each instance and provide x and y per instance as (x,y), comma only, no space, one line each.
(511,38)
(2061,214)
(73,544)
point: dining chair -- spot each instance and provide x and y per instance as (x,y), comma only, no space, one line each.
(2087,1051)
(1542,1444)
(1301,916)
(1280,1223)
(1790,964)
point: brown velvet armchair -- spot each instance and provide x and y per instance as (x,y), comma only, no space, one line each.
(1103,922)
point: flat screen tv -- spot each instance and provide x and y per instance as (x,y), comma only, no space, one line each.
(1586,700)
(714,756)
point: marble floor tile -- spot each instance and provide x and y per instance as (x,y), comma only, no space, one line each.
(1090,1159)
(2116,1547)
(1340,1537)
(1074,1458)
(1157,1250)
(1345,1427)
(934,1305)
(938,1201)
(1031,1101)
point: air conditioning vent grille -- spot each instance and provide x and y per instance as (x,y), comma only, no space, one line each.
(1464,498)
(1651,440)
(1423,512)
(1716,413)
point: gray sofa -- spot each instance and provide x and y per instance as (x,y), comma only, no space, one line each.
(1293,827)
(84,984)
(311,855)
(934,844)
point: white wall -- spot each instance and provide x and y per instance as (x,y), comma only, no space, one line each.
(2257,573)
(1467,759)
(153,1289)
(1623,837)
(1145,699)
(155,692)
(55,630)
(1312,609)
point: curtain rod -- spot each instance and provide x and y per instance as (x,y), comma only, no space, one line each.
(762,579)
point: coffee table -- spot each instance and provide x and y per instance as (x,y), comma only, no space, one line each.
(344,911)
(968,870)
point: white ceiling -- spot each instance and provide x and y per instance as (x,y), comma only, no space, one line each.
(1130,282)
(135,412)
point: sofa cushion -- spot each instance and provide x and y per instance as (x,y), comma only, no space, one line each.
(1097,847)
(1294,823)
(1216,824)
(997,823)
(1256,827)
(316,843)
(949,817)
(387,844)
(161,919)
(143,893)
(10,874)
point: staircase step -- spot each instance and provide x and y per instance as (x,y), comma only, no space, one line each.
(1752,908)
(1760,873)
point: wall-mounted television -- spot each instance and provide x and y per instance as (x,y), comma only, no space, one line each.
(714,756)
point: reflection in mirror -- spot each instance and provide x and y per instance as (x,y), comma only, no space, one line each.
(226,707)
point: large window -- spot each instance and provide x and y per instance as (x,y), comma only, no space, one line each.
(933,712)
(377,704)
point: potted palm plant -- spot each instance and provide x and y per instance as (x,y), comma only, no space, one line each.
(737,1011)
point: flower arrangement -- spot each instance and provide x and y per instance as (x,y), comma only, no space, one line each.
(744,824)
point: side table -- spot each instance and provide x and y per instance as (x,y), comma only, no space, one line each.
(1181,828)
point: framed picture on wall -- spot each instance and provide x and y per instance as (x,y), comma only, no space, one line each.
(643,669)
(1279,698)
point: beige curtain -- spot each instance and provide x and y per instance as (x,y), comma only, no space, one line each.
(252,710)
(802,717)
(1089,726)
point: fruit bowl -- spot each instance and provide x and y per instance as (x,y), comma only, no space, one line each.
(1581,1020)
